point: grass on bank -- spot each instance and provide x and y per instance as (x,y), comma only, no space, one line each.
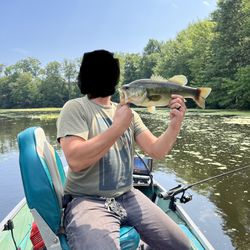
(44,114)
(30,110)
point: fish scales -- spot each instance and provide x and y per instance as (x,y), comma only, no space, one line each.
(169,88)
(150,93)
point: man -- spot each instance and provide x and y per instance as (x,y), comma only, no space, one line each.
(98,137)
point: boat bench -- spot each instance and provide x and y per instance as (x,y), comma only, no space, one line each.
(43,180)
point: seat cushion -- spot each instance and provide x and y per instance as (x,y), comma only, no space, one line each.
(129,238)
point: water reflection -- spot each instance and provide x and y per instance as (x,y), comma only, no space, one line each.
(12,123)
(209,144)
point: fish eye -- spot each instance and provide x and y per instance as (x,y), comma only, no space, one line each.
(125,87)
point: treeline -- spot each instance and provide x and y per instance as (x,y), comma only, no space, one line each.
(213,52)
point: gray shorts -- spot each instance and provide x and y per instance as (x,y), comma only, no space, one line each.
(90,225)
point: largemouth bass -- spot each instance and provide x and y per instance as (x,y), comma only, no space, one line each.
(157,92)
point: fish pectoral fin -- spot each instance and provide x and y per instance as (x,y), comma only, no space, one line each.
(179,79)
(151,109)
(154,98)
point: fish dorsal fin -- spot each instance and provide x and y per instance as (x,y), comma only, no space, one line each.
(158,78)
(179,79)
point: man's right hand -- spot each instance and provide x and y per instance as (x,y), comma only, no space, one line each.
(122,117)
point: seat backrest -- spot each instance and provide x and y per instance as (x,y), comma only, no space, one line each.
(43,180)
(42,175)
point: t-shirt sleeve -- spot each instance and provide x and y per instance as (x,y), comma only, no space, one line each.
(139,126)
(72,121)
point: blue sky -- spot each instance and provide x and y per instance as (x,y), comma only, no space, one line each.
(52,30)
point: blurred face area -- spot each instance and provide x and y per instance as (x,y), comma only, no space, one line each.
(99,74)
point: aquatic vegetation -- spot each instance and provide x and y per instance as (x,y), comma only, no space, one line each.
(29,110)
(45,117)
(35,113)
(237,120)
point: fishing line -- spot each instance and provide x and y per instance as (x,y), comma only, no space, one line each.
(179,189)
(217,176)
(220,181)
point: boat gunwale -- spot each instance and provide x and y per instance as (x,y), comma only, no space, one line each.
(185,217)
(13,213)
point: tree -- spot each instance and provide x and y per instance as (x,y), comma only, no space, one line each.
(188,53)
(241,89)
(5,91)
(231,37)
(1,68)
(153,47)
(150,58)
(23,91)
(230,53)
(52,89)
(28,65)
(165,66)
(69,69)
(132,67)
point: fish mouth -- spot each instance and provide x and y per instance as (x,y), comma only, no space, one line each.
(123,96)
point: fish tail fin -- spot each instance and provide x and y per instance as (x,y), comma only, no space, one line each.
(203,93)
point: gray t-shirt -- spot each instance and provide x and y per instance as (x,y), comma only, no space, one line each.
(111,176)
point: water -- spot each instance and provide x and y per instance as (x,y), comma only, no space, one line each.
(210,143)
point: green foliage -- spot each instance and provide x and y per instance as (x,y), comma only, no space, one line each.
(230,50)
(150,57)
(28,65)
(25,84)
(242,88)
(132,68)
(23,90)
(231,35)
(188,54)
(5,91)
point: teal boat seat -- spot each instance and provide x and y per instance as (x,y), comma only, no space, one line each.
(43,180)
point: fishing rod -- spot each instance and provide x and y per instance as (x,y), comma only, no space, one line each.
(171,193)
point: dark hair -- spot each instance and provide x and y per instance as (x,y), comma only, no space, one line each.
(99,74)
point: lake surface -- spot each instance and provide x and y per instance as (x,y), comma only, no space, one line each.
(209,144)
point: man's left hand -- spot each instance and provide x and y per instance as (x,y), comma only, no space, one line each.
(177,110)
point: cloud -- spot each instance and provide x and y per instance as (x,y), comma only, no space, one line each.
(19,51)
(206,3)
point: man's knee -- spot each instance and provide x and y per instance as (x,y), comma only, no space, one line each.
(184,244)
(180,242)
(94,239)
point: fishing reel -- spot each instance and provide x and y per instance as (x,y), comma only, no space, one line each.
(171,195)
(185,198)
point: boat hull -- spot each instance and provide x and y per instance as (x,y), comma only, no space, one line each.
(22,219)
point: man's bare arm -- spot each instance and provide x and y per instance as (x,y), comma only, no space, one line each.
(159,147)
(80,153)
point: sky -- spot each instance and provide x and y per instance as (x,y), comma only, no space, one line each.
(54,30)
